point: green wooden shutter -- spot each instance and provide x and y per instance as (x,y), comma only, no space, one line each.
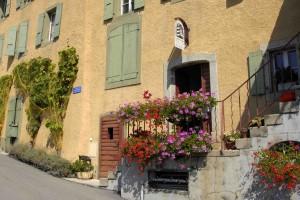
(131,51)
(18,4)
(39,32)
(7,9)
(11,41)
(56,28)
(22,37)
(1,46)
(114,57)
(13,117)
(257,83)
(108,9)
(138,4)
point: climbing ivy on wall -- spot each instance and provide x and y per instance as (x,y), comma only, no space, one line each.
(5,85)
(48,91)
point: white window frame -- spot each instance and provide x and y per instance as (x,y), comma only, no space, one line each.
(130,7)
(51,25)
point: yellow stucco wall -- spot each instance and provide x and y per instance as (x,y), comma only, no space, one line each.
(229,32)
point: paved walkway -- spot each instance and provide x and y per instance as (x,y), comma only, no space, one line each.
(19,181)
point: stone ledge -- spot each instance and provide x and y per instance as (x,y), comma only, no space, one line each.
(273,119)
(258,131)
(243,143)
(230,153)
(289,107)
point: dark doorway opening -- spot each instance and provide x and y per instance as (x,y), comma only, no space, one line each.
(192,78)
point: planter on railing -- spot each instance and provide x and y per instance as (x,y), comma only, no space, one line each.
(151,137)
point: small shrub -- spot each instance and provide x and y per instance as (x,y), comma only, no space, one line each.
(257,122)
(38,158)
(230,138)
(81,166)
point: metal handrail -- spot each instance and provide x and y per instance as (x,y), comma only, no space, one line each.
(238,91)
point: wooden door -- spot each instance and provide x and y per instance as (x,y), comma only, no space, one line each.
(111,134)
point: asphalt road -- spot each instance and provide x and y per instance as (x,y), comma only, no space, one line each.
(19,181)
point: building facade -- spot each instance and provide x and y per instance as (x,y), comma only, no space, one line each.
(127,46)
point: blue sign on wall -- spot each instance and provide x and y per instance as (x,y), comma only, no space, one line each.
(77,90)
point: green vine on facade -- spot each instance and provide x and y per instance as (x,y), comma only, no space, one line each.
(48,91)
(5,85)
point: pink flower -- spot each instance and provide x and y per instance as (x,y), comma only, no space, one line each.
(147,94)
(171,139)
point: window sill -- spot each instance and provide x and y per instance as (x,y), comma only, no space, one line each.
(120,84)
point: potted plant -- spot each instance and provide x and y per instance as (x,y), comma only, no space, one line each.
(257,127)
(83,169)
(230,138)
(287,96)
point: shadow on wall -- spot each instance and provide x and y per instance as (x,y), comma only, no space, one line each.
(286,27)
(230,3)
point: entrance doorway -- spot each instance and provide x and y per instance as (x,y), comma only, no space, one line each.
(111,134)
(192,78)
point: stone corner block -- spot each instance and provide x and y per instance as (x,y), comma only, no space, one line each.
(273,119)
(243,143)
(261,131)
(103,182)
(111,176)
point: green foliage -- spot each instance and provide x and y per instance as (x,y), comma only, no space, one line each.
(32,80)
(48,92)
(81,166)
(59,94)
(230,138)
(5,85)
(49,163)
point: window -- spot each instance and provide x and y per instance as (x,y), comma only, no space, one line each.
(22,3)
(126,6)
(123,53)
(4,8)
(114,8)
(285,66)
(48,28)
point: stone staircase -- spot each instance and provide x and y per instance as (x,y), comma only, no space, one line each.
(282,125)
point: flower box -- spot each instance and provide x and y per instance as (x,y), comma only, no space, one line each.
(84,175)
(287,96)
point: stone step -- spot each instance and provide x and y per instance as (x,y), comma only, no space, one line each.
(289,107)
(261,131)
(243,143)
(103,182)
(273,119)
